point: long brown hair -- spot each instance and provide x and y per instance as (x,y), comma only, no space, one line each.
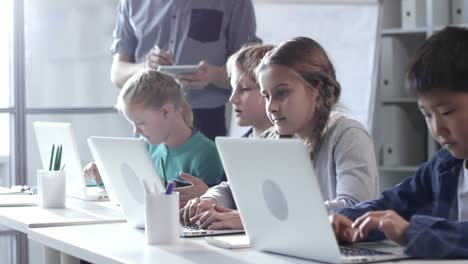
(152,89)
(311,63)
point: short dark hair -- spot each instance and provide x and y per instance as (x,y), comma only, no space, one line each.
(441,63)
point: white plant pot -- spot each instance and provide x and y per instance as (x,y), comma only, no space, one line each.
(51,188)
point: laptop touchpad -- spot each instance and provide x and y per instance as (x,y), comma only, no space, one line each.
(275,200)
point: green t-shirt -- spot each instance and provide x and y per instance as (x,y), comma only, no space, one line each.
(198,156)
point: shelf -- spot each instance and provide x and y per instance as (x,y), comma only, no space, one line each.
(399,100)
(438,28)
(402,31)
(408,169)
(412,31)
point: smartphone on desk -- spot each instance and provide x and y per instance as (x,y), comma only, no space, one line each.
(230,242)
(178,69)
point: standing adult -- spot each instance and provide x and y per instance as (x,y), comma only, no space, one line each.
(150,33)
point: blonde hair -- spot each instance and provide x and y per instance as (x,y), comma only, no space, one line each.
(153,89)
(247,59)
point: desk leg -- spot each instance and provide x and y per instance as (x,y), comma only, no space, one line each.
(67,259)
(51,256)
(22,252)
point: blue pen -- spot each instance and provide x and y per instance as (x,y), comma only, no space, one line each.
(170,187)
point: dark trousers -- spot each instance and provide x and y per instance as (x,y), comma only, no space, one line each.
(211,122)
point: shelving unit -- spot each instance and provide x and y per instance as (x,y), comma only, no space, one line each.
(399,31)
(398,169)
(401,136)
(399,100)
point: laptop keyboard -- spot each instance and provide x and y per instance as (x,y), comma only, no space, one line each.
(191,228)
(195,230)
(352,251)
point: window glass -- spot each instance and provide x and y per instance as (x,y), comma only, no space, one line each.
(84,126)
(5,30)
(67,53)
(4,149)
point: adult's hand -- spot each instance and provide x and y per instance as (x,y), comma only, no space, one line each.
(198,80)
(157,57)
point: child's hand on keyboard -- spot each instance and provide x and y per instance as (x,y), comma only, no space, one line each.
(219,218)
(389,222)
(193,208)
(342,226)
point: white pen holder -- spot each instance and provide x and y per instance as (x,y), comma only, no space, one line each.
(162,218)
(51,188)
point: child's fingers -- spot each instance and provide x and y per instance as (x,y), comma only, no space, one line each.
(206,222)
(218,225)
(203,217)
(193,207)
(221,209)
(363,217)
(342,227)
(202,207)
(189,178)
(386,225)
(187,208)
(371,222)
(181,215)
(197,218)
(394,226)
(221,223)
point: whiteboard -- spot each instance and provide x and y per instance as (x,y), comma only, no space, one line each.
(346,29)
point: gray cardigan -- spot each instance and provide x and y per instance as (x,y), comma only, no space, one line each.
(345,165)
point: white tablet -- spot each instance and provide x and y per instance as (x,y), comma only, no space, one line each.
(178,69)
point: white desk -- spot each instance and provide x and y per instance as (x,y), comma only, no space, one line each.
(77,212)
(87,230)
(121,243)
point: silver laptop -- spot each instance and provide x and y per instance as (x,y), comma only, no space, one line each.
(48,133)
(275,188)
(124,163)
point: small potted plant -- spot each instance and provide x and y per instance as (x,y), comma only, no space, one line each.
(51,183)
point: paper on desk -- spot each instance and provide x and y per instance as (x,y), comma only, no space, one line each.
(17,189)
(4,190)
(18,200)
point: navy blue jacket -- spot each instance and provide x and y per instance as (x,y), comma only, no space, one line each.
(428,200)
